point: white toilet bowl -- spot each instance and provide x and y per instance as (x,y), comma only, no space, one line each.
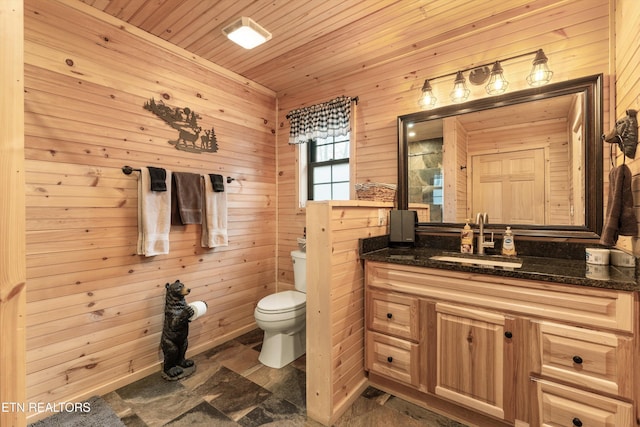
(282,317)
(284,328)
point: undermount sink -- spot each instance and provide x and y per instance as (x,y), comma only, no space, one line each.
(486,261)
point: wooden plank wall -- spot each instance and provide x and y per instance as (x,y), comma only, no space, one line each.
(95,309)
(12,222)
(335,302)
(627,39)
(575,35)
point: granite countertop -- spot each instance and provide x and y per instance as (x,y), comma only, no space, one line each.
(556,270)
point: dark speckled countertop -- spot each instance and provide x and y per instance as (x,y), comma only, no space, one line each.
(556,270)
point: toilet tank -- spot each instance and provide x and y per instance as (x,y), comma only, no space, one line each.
(299,270)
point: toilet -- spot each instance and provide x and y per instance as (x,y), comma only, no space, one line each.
(282,317)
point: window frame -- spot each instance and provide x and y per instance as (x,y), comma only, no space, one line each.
(311,164)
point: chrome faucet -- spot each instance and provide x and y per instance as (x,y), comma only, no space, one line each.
(482,218)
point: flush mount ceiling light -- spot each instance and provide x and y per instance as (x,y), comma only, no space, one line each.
(246,32)
(497,83)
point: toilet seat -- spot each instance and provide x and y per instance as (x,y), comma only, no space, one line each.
(282,302)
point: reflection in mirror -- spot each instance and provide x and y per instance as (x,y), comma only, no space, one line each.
(532,160)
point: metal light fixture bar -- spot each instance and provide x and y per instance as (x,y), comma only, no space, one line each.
(540,75)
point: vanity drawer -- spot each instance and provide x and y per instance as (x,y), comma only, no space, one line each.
(394,358)
(393,314)
(560,405)
(593,359)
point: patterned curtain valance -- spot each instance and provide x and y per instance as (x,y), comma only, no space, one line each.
(321,120)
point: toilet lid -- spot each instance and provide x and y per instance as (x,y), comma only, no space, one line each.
(283,301)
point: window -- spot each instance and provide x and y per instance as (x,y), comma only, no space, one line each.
(324,171)
(328,169)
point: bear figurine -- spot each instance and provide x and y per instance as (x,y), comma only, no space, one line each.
(175,331)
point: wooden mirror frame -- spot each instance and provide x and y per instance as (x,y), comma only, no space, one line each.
(591,87)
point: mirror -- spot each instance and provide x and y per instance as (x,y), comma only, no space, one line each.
(531,159)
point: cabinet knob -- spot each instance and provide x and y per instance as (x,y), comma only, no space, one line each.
(508,334)
(577,360)
(577,422)
(389,315)
(389,359)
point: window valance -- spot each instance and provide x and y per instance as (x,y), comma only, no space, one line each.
(330,118)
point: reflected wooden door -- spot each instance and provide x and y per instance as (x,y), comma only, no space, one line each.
(510,186)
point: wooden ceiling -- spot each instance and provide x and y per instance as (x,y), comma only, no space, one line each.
(314,41)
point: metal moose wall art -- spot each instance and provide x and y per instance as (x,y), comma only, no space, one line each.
(185,121)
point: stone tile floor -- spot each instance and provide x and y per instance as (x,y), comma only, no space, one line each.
(232,388)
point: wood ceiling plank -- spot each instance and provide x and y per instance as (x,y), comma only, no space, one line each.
(124,9)
(302,27)
(153,12)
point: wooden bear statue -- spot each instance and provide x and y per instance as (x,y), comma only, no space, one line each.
(175,331)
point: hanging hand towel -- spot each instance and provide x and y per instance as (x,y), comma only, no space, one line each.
(620,218)
(154,217)
(158,178)
(186,201)
(214,222)
(217,181)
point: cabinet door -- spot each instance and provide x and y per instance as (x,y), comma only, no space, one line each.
(471,363)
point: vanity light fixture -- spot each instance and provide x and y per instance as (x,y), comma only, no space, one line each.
(460,91)
(427,99)
(497,83)
(540,73)
(246,32)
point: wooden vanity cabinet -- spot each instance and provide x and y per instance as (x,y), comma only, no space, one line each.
(518,351)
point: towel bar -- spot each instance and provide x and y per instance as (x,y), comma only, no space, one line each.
(127,170)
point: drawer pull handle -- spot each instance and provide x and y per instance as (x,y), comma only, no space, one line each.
(389,359)
(577,360)
(577,422)
(389,315)
(508,334)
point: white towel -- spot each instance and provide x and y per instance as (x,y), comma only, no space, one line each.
(214,221)
(154,216)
